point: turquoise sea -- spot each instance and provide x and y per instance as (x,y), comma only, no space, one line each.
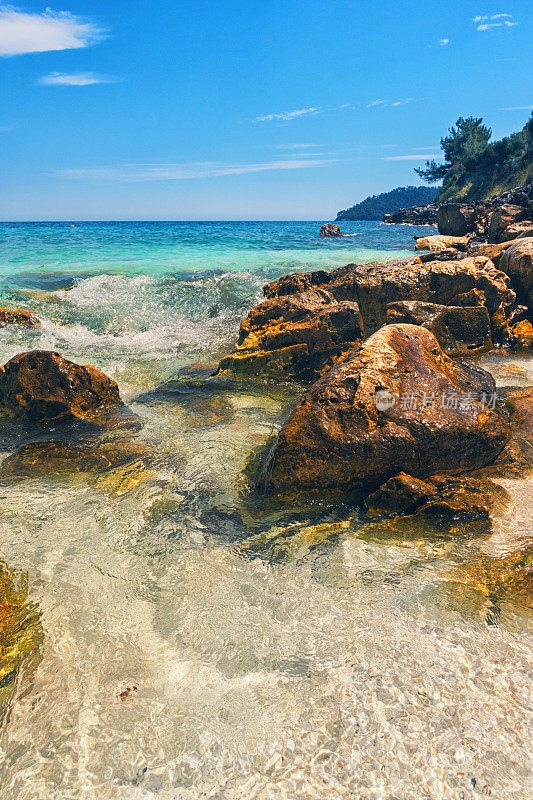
(143,298)
(169,634)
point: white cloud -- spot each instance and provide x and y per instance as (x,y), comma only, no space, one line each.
(393,104)
(300,112)
(74,79)
(287,115)
(22,32)
(516,108)
(136,173)
(485,23)
(444,42)
(414,157)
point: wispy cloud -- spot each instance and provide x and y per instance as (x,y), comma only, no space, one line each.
(137,173)
(411,157)
(22,32)
(75,79)
(295,146)
(389,104)
(444,42)
(485,23)
(516,108)
(286,116)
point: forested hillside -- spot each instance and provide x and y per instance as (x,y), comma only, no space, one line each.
(377,205)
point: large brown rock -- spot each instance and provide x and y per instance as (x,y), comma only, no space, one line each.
(395,403)
(502,217)
(458,329)
(517,262)
(455,219)
(18,316)
(41,385)
(374,286)
(298,336)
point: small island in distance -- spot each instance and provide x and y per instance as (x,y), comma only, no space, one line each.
(376,206)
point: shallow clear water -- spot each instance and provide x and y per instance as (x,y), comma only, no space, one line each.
(199,641)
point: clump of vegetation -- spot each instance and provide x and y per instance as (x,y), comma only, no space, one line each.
(377,205)
(474,168)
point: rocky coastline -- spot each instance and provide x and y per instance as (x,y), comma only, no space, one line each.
(392,412)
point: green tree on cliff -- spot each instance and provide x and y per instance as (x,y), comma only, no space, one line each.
(467,139)
(474,167)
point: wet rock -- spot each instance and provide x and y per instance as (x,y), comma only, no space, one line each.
(522,335)
(18,316)
(517,262)
(502,217)
(516,458)
(455,219)
(328,229)
(395,403)
(458,329)
(439,497)
(399,495)
(42,386)
(437,243)
(298,336)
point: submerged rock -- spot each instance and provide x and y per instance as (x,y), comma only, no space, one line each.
(298,336)
(58,458)
(42,386)
(328,229)
(437,497)
(396,403)
(18,316)
(20,632)
(458,329)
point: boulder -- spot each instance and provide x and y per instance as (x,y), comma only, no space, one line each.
(517,230)
(517,262)
(18,316)
(374,286)
(437,497)
(455,219)
(502,217)
(458,329)
(42,386)
(297,336)
(395,403)
(328,229)
(436,243)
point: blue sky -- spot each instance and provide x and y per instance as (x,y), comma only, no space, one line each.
(243,110)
